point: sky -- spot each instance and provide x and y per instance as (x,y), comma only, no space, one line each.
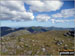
(44,13)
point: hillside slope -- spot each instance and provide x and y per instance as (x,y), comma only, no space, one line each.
(45,43)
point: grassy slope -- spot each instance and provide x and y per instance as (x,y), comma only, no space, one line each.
(34,43)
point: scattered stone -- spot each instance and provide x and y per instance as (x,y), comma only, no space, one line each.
(65,48)
(66,34)
(3,49)
(29,52)
(2,43)
(43,49)
(66,45)
(62,41)
(32,40)
(11,53)
(59,42)
(26,45)
(18,47)
(22,40)
(33,44)
(55,38)
(70,33)
(37,52)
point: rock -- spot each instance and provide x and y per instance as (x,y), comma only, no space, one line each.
(2,43)
(22,40)
(7,38)
(59,42)
(3,49)
(13,44)
(32,40)
(55,38)
(43,49)
(29,52)
(66,34)
(37,51)
(70,33)
(65,48)
(33,44)
(62,40)
(66,45)
(11,53)
(26,45)
(18,47)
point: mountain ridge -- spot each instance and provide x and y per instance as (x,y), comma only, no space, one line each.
(7,30)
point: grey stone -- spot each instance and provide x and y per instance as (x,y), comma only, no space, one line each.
(29,52)
(43,49)
(59,42)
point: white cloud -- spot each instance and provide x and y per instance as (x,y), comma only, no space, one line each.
(65,13)
(42,17)
(62,20)
(44,6)
(57,15)
(13,5)
(53,21)
(14,10)
(66,20)
(68,12)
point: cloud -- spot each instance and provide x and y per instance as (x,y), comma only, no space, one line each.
(57,15)
(68,12)
(61,20)
(64,13)
(13,5)
(14,10)
(42,17)
(53,21)
(44,6)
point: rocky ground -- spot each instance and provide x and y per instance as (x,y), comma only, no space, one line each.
(45,43)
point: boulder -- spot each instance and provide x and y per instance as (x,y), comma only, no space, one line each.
(59,42)
(29,52)
(70,33)
(43,49)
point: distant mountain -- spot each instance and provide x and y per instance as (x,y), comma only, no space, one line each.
(59,28)
(7,30)
(36,29)
(18,33)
